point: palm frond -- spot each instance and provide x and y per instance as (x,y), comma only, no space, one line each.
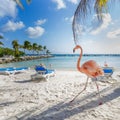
(28,1)
(20,3)
(80,13)
(1,37)
(84,8)
(1,43)
(100,7)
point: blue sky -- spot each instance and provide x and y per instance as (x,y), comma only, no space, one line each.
(49,23)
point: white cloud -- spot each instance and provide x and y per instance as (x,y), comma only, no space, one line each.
(8,8)
(114,34)
(40,22)
(34,32)
(100,46)
(37,31)
(99,26)
(12,26)
(66,19)
(60,4)
(69,19)
(73,1)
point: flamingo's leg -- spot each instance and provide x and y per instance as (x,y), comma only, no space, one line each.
(98,91)
(80,91)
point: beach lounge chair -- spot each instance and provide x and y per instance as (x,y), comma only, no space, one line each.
(12,70)
(42,73)
(7,70)
(108,71)
(21,69)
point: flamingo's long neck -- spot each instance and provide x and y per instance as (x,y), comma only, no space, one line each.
(79,59)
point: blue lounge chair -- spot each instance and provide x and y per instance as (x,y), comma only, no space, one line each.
(7,70)
(21,69)
(42,72)
(12,70)
(108,71)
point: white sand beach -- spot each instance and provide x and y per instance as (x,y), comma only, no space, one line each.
(23,99)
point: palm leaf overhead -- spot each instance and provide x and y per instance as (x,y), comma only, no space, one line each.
(1,43)
(20,3)
(28,1)
(100,7)
(1,37)
(84,8)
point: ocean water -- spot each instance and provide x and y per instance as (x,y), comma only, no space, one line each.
(67,62)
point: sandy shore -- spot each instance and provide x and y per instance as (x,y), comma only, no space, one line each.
(23,99)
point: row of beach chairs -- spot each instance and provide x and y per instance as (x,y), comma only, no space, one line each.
(42,72)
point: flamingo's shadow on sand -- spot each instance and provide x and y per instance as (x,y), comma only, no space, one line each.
(62,111)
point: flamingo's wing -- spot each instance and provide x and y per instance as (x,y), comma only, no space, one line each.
(91,68)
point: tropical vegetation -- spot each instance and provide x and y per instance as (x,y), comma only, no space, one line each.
(9,52)
(16,48)
(1,37)
(20,50)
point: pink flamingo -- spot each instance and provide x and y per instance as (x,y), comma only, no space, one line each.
(90,68)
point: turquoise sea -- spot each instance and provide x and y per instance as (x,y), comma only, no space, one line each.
(67,61)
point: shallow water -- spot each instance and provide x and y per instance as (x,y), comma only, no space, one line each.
(67,62)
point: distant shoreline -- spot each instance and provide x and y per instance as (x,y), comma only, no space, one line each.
(87,55)
(62,61)
(24,58)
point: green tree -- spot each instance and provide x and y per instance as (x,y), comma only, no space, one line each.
(39,48)
(30,48)
(26,45)
(48,52)
(1,37)
(34,47)
(16,47)
(1,43)
(8,51)
(44,49)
